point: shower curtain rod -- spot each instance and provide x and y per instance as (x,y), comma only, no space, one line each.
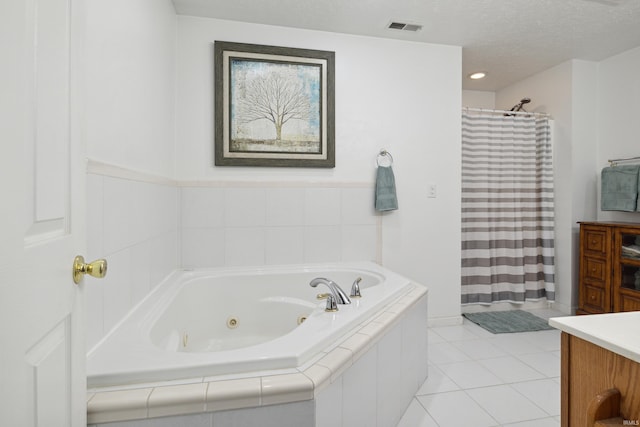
(486,110)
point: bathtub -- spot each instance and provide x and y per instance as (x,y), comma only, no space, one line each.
(236,322)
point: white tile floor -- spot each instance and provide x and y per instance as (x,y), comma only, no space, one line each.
(484,380)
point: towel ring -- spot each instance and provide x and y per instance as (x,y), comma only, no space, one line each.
(384,154)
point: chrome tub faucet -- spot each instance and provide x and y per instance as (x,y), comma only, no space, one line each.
(337,294)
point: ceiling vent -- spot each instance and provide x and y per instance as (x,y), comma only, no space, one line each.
(394,25)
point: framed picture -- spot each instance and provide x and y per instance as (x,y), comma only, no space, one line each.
(274,106)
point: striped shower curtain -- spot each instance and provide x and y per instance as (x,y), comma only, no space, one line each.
(507,209)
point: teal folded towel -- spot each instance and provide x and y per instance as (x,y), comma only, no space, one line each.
(619,188)
(386,199)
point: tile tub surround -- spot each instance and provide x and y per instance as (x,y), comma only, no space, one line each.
(266,223)
(380,365)
(187,224)
(140,246)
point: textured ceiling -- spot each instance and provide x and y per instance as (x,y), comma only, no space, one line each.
(509,39)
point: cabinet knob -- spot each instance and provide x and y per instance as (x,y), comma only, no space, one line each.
(592,297)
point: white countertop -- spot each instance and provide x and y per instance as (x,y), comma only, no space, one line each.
(617,332)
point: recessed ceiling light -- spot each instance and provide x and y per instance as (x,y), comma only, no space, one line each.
(478,75)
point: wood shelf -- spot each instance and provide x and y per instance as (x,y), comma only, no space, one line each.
(630,261)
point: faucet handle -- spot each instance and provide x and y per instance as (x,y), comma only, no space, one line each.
(331,304)
(355,288)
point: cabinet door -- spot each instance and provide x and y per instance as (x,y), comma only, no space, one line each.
(626,275)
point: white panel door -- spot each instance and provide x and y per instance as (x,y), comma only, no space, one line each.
(42,357)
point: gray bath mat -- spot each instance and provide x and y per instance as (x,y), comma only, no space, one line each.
(500,322)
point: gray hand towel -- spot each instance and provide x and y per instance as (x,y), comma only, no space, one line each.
(619,188)
(386,199)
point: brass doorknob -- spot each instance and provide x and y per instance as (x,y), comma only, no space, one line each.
(97,268)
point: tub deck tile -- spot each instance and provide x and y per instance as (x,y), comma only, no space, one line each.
(387,318)
(178,399)
(320,375)
(337,360)
(233,394)
(118,405)
(286,388)
(358,344)
(374,329)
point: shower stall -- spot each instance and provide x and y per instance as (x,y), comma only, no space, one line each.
(507,207)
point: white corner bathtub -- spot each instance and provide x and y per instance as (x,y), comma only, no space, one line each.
(234,321)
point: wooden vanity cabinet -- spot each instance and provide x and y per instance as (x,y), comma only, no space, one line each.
(587,372)
(609,278)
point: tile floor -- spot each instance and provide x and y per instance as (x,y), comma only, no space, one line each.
(484,380)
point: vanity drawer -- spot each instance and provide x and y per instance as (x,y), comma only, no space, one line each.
(594,269)
(595,241)
(594,299)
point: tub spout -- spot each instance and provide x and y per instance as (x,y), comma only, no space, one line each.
(338,294)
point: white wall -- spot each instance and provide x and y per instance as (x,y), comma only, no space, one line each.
(129,111)
(130,74)
(619,117)
(479,99)
(567,92)
(401,96)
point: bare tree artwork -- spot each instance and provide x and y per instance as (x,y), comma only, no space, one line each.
(275,106)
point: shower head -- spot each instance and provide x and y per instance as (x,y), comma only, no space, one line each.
(518,106)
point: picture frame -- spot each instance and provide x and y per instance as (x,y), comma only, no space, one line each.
(274,106)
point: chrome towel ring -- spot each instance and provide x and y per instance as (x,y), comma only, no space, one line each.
(384,154)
